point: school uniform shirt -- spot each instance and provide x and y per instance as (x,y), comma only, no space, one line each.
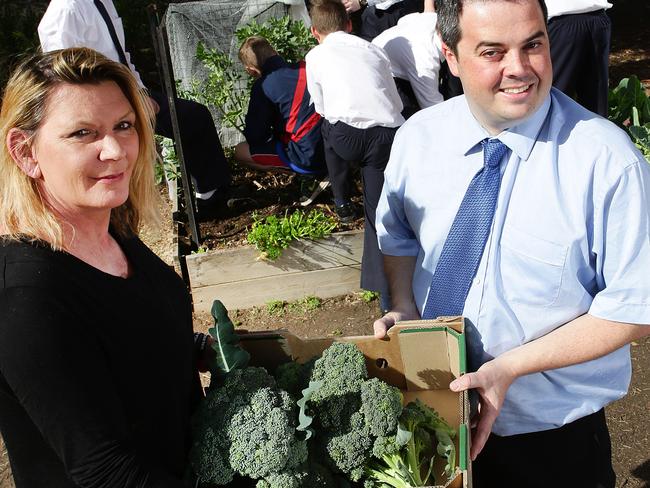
(78,23)
(564,7)
(415,51)
(350,81)
(569,237)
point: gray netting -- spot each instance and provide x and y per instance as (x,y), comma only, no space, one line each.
(213,23)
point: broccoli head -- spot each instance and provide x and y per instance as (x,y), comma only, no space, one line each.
(262,435)
(245,425)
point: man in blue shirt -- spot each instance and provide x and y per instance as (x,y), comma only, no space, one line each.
(561,286)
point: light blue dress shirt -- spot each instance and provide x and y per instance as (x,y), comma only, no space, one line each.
(571,235)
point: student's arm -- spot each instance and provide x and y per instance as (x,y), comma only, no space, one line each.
(260,117)
(399,274)
(581,340)
(63,28)
(313,84)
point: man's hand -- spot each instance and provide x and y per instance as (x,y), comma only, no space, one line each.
(382,325)
(491,381)
(351,5)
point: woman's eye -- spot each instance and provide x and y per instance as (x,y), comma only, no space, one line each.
(125,125)
(80,133)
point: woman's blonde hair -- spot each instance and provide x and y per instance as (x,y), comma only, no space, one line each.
(23,213)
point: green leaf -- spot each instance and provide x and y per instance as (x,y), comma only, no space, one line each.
(304,419)
(229,354)
(403,436)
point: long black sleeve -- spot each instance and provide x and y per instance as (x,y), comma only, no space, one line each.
(96,373)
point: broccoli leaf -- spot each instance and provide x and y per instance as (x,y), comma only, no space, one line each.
(304,419)
(229,354)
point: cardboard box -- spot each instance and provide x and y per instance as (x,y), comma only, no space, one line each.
(419,357)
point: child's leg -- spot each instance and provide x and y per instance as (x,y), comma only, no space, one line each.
(338,168)
(262,159)
(380,140)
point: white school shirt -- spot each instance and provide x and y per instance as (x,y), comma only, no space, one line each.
(78,23)
(350,81)
(571,235)
(564,7)
(415,51)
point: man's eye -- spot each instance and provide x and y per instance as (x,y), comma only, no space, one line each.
(534,45)
(490,53)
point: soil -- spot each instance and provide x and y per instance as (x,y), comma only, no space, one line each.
(352,315)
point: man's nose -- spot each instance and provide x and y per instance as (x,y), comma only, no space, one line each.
(517,64)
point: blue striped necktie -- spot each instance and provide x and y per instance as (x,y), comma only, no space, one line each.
(466,240)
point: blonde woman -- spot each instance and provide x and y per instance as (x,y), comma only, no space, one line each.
(97,374)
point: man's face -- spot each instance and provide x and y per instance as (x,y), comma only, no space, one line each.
(503,61)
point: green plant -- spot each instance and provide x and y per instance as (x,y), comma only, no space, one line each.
(273,234)
(227,87)
(275,307)
(306,304)
(368,296)
(167,168)
(290,38)
(629,107)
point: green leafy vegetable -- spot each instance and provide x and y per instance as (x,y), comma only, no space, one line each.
(229,354)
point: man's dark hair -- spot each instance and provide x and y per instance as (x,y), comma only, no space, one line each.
(449,12)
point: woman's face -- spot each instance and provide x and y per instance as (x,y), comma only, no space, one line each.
(85,149)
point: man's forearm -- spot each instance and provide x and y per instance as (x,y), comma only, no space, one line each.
(581,340)
(399,274)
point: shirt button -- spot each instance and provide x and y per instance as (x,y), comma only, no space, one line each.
(477,281)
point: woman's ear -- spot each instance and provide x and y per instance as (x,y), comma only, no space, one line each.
(22,152)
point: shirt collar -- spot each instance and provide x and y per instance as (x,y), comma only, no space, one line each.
(273,63)
(520,138)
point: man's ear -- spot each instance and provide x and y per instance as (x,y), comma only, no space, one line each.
(452,59)
(22,152)
(315,33)
(254,72)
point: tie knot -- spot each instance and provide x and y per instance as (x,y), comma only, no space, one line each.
(493,151)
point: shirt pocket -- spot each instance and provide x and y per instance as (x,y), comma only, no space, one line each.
(531,268)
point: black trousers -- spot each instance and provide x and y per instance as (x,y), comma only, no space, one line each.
(580,55)
(576,455)
(374,21)
(201,146)
(370,148)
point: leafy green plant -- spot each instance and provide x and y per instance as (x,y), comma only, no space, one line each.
(227,87)
(290,38)
(629,107)
(167,168)
(275,307)
(274,234)
(306,304)
(368,296)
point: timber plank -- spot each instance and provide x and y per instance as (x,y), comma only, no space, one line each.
(342,249)
(289,286)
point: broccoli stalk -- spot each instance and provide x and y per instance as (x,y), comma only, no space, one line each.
(406,459)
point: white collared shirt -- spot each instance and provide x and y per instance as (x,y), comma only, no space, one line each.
(564,7)
(571,235)
(350,81)
(78,23)
(415,51)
